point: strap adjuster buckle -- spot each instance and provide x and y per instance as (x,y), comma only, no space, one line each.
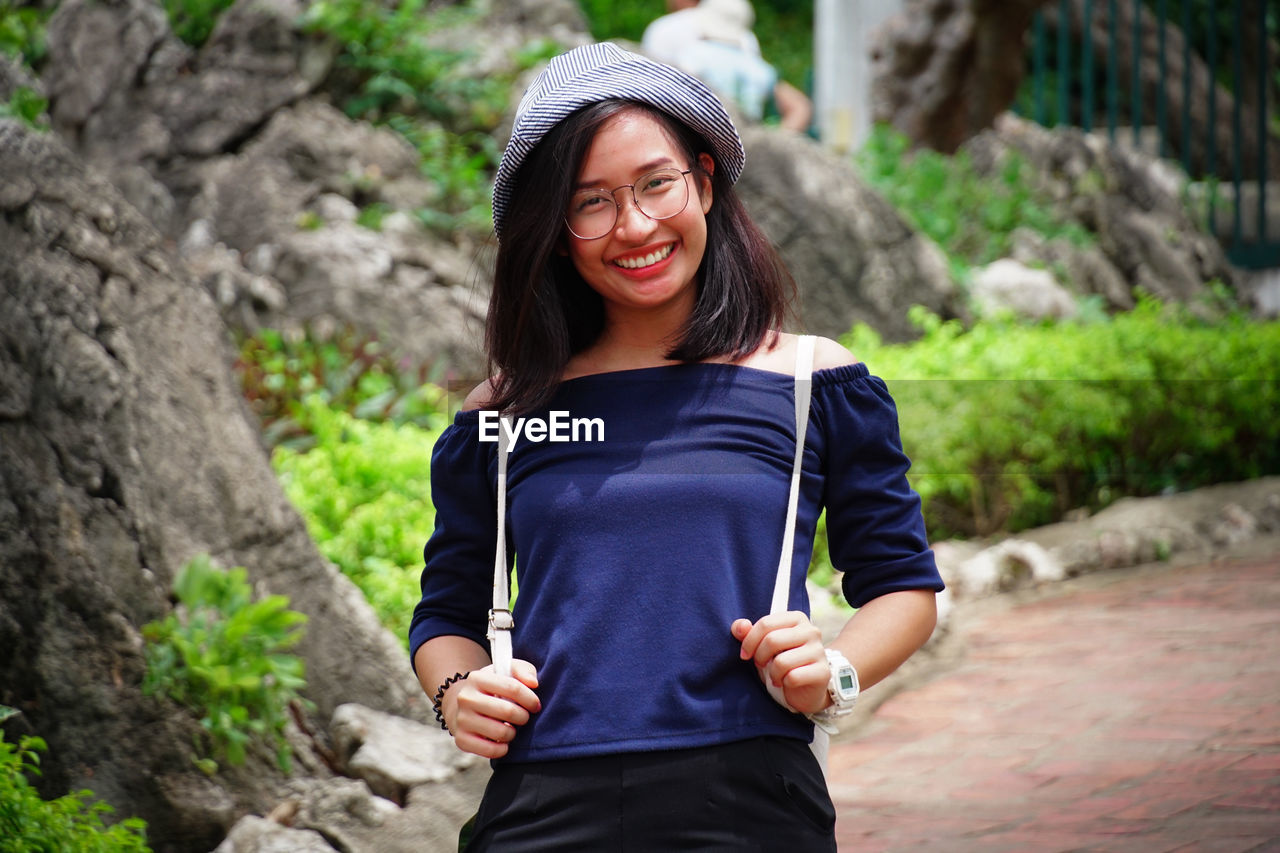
(500,620)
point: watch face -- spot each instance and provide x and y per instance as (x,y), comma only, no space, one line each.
(846,683)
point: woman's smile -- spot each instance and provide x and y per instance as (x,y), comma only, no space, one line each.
(645,262)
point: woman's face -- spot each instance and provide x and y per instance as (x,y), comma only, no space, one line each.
(642,264)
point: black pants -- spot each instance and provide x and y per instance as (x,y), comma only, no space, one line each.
(763,794)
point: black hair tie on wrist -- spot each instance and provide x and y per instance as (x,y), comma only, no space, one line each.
(438,699)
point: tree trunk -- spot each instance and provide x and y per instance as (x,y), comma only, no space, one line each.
(946,68)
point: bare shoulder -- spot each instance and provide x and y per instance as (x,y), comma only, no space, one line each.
(778,354)
(828,353)
(481,396)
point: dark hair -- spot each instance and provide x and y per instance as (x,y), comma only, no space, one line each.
(541,311)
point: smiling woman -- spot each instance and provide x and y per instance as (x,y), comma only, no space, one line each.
(637,262)
(664,677)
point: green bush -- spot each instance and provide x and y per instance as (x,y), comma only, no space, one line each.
(27,106)
(397,66)
(22,36)
(68,824)
(193,20)
(347,371)
(1011,425)
(365,492)
(22,33)
(225,656)
(970,215)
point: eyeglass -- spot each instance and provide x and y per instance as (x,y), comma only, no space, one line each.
(658,195)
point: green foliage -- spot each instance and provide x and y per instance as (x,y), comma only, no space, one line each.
(22,33)
(225,656)
(365,492)
(970,215)
(28,106)
(348,372)
(609,19)
(1012,425)
(460,168)
(193,20)
(22,36)
(400,67)
(68,824)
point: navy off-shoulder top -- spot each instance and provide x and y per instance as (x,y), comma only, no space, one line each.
(636,552)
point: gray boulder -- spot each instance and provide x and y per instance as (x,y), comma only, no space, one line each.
(125,449)
(1145,238)
(1007,285)
(393,754)
(286,206)
(853,257)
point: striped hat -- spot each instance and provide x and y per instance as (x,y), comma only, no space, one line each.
(598,72)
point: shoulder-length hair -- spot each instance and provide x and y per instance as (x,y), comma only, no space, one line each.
(542,312)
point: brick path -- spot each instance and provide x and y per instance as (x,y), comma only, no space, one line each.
(1133,712)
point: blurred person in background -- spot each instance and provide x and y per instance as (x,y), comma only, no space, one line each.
(713,41)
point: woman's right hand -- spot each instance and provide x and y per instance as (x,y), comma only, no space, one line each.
(484,709)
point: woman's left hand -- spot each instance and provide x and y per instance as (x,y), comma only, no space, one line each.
(787,650)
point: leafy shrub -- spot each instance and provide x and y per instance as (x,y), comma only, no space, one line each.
(1012,425)
(396,68)
(365,492)
(459,167)
(971,216)
(224,655)
(193,20)
(68,824)
(399,69)
(22,36)
(28,106)
(22,33)
(346,371)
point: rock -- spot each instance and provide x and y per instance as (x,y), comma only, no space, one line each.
(345,812)
(1260,290)
(226,135)
(1145,239)
(393,754)
(1142,530)
(152,98)
(125,449)
(853,257)
(1086,269)
(413,292)
(253,834)
(1008,285)
(13,76)
(1007,565)
(353,819)
(1236,525)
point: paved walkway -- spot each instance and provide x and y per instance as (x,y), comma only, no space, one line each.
(1136,711)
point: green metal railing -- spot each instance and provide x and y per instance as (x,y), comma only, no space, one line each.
(1219,178)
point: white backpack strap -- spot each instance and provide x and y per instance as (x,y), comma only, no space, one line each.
(782,584)
(804,389)
(500,621)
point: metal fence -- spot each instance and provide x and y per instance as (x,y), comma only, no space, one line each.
(1164,79)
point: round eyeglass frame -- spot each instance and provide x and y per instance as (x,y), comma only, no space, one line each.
(617,206)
